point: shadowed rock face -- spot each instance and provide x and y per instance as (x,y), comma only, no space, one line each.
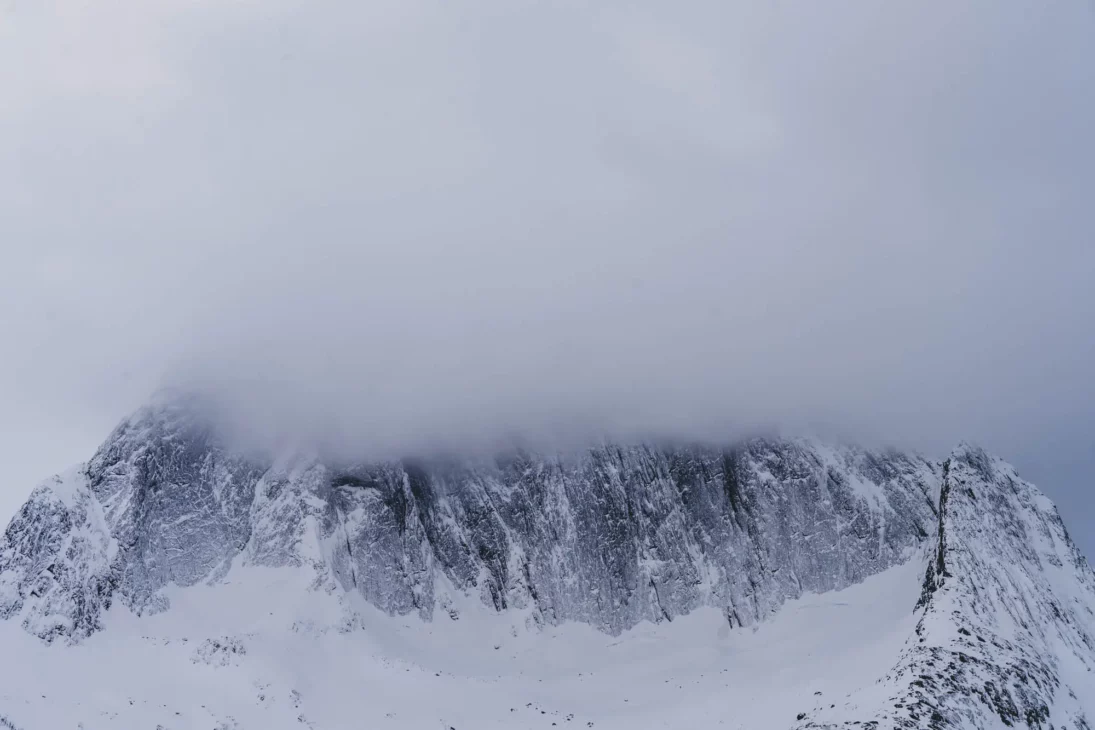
(176,503)
(612,536)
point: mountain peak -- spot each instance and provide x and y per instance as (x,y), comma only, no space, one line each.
(1007,630)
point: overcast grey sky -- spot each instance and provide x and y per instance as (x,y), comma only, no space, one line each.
(408,218)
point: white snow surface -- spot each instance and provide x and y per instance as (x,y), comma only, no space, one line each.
(267,649)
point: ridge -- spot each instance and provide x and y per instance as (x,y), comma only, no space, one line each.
(1005,635)
(611,536)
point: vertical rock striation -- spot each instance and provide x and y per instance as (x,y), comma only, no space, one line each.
(612,536)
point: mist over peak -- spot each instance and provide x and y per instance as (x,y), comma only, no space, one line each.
(391,224)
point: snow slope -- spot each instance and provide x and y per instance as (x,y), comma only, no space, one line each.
(264,651)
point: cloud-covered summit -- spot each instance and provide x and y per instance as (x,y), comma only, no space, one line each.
(389,219)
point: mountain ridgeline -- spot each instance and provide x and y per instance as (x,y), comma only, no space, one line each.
(612,536)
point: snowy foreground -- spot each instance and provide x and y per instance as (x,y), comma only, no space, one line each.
(264,651)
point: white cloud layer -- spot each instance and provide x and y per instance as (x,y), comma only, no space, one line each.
(396,221)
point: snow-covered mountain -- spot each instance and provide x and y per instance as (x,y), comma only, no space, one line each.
(1006,620)
(625,569)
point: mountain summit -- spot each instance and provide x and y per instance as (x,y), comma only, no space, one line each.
(992,621)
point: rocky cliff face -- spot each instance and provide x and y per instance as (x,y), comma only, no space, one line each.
(610,537)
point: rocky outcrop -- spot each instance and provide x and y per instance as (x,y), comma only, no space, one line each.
(57,567)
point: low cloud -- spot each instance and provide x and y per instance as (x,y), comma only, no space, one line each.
(384,224)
